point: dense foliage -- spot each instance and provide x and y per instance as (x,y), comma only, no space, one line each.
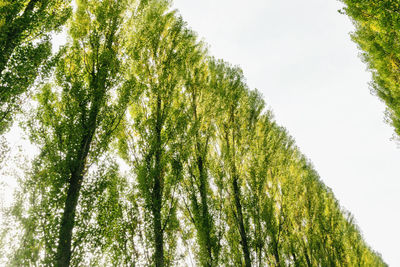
(25,47)
(210,178)
(377,33)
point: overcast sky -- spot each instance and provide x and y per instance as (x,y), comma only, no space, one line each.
(300,56)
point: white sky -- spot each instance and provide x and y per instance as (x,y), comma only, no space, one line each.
(300,56)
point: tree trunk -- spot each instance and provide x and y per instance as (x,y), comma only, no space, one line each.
(205,229)
(307,257)
(157,192)
(242,230)
(63,257)
(259,253)
(236,192)
(157,228)
(205,213)
(276,255)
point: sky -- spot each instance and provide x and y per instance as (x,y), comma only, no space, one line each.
(299,54)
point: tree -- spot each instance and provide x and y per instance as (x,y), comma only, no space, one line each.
(264,142)
(200,96)
(159,124)
(231,93)
(77,115)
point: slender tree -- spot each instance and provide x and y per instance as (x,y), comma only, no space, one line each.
(231,89)
(202,113)
(95,74)
(263,142)
(159,122)
(78,114)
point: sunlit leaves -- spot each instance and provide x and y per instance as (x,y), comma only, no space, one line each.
(377,33)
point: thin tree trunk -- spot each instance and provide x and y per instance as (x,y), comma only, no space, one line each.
(242,230)
(276,255)
(89,125)
(259,256)
(205,213)
(157,228)
(295,259)
(63,256)
(205,216)
(236,195)
(307,257)
(157,193)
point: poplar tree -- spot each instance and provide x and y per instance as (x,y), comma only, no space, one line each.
(200,96)
(159,123)
(264,142)
(76,117)
(231,92)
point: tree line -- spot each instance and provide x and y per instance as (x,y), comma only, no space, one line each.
(210,178)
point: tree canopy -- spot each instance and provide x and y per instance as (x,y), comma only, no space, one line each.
(377,32)
(25,46)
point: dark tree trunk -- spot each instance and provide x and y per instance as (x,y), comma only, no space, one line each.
(63,256)
(158,192)
(236,192)
(67,222)
(98,82)
(205,213)
(307,257)
(157,228)
(276,255)
(205,229)
(296,264)
(242,230)
(259,256)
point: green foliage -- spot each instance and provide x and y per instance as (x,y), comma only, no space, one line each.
(159,121)
(73,124)
(199,198)
(377,33)
(25,45)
